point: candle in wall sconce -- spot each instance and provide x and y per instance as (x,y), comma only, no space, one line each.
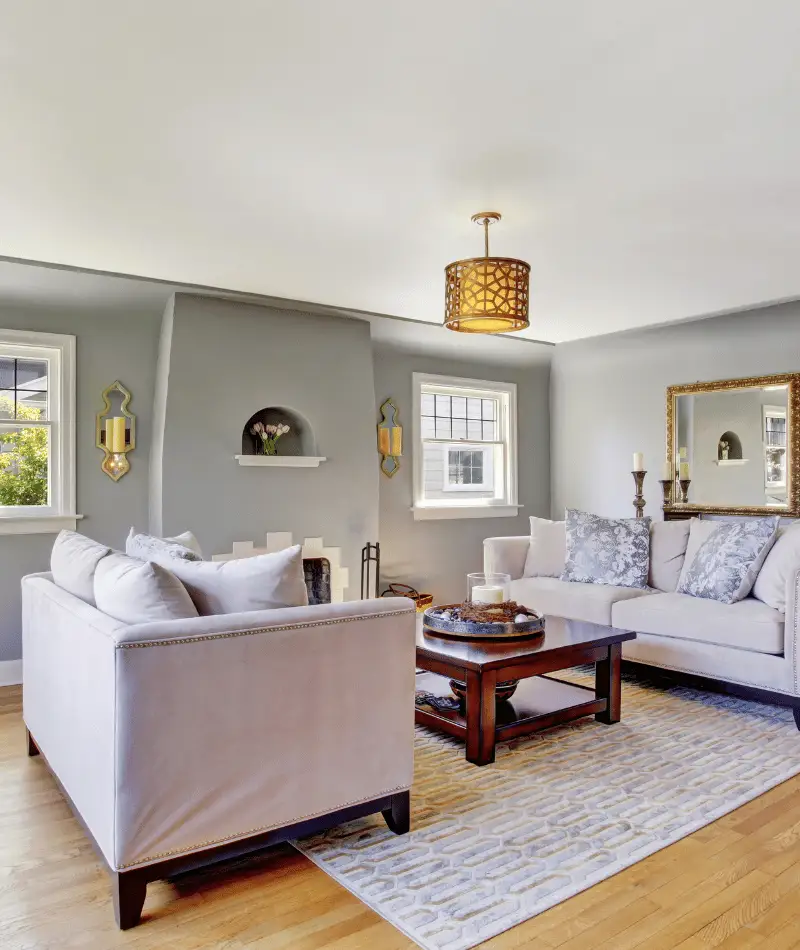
(638,462)
(118,441)
(383,441)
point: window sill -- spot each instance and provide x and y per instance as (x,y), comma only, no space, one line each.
(433,513)
(38,524)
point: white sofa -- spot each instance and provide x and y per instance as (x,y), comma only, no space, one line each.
(748,647)
(185,741)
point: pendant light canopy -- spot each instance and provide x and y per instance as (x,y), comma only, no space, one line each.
(486,294)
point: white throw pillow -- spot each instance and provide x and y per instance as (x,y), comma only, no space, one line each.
(149,548)
(135,591)
(668,540)
(778,570)
(263,582)
(73,561)
(547,553)
(699,532)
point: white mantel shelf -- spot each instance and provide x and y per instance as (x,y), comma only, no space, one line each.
(281,461)
(731,461)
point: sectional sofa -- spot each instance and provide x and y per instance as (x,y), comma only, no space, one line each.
(749,647)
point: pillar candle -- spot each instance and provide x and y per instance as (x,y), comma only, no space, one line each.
(487,595)
(118,442)
(397,441)
(668,474)
(383,441)
(110,434)
(684,469)
(638,462)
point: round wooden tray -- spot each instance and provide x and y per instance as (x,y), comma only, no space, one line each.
(470,630)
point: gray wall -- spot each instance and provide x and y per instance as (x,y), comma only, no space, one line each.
(112,343)
(226,361)
(435,556)
(608,397)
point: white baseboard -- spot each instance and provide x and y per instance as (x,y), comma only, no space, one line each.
(10,672)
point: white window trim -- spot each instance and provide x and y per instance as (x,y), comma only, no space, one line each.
(773,412)
(464,507)
(61,514)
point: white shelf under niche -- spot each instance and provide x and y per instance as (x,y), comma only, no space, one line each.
(731,461)
(281,461)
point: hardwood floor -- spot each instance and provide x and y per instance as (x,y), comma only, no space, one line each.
(734,885)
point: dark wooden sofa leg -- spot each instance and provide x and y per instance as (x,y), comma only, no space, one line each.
(398,815)
(129,890)
(796,711)
(33,749)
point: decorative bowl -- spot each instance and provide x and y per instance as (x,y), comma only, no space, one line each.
(440,620)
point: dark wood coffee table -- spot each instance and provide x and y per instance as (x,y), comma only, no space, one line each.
(539,701)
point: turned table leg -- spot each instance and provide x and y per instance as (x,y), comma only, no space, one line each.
(398,815)
(608,684)
(481,709)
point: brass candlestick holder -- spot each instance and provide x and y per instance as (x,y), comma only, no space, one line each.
(684,483)
(638,501)
(667,485)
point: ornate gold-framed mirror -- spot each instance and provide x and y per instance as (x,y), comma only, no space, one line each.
(733,447)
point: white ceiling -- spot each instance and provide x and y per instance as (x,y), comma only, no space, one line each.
(645,155)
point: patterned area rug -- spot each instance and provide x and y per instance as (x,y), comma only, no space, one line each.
(559,811)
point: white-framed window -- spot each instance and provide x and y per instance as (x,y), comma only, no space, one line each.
(37,432)
(465,448)
(775,446)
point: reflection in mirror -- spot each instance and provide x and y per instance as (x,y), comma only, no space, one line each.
(735,443)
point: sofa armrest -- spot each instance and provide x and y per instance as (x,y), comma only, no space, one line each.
(68,658)
(233,725)
(791,635)
(506,555)
(260,621)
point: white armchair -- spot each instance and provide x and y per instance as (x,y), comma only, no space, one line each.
(181,742)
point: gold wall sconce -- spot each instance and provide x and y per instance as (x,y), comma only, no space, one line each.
(115,431)
(390,439)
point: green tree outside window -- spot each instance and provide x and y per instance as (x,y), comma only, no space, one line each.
(23,458)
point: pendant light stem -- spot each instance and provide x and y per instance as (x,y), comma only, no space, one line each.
(486,236)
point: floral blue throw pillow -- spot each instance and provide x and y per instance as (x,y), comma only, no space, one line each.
(613,551)
(728,561)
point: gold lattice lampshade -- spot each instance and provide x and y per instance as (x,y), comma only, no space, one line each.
(486,294)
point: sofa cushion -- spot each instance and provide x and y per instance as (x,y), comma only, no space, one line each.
(135,591)
(747,625)
(590,602)
(547,553)
(263,582)
(146,548)
(779,568)
(613,551)
(73,561)
(668,540)
(727,563)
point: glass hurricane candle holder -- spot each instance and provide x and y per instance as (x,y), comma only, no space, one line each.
(488,588)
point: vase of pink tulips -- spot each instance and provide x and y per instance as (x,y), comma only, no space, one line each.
(267,436)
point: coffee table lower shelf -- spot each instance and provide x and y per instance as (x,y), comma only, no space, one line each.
(539,703)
